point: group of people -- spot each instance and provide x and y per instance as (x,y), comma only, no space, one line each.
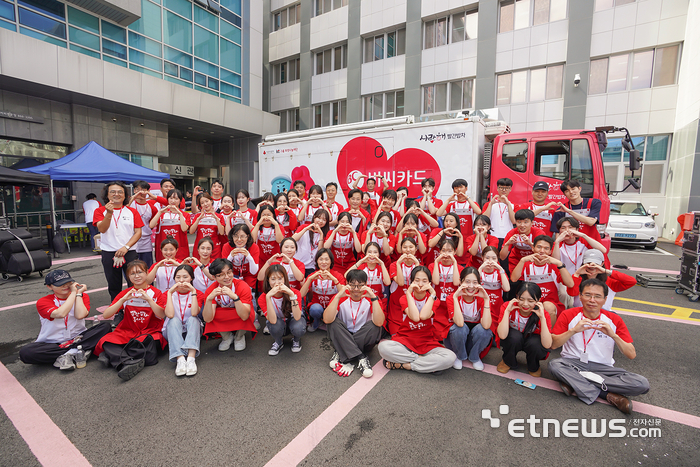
(432,284)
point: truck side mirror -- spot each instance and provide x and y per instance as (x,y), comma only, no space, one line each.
(635,160)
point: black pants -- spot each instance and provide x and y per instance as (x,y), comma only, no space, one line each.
(44,352)
(114,275)
(532,346)
(131,351)
(92,228)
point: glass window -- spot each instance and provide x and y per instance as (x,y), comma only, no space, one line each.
(441,31)
(613,152)
(170,69)
(401,42)
(42,23)
(327,6)
(186,74)
(551,159)
(50,8)
(282,68)
(428,99)
(641,69)
(283,21)
(325,115)
(399,103)
(336,114)
(230,55)
(468,94)
(617,73)
(178,57)
(522,14)
(276,22)
(515,156)
(557,11)
(665,65)
(229,31)
(429,35)
(598,77)
(112,48)
(541,14)
(291,71)
(319,11)
(611,172)
(7,10)
(555,76)
(327,61)
(369,49)
(297,63)
(337,58)
(181,7)
(391,45)
(233,5)
(206,45)
(472,24)
(113,32)
(378,47)
(503,89)
(519,90)
(283,121)
(206,68)
(83,20)
(537,84)
(367,102)
(507,15)
(149,23)
(293,15)
(657,148)
(441,97)
(213,83)
(319,63)
(458,27)
(455,95)
(206,19)
(276,74)
(84,38)
(390,103)
(85,51)
(377,107)
(232,78)
(144,44)
(200,79)
(142,59)
(582,166)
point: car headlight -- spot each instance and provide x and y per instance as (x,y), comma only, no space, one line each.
(650,225)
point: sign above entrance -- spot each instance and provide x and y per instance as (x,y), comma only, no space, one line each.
(16,116)
(179,170)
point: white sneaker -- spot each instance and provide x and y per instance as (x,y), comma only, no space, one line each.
(478,365)
(266,331)
(191,367)
(239,341)
(275,349)
(334,360)
(457,365)
(226,341)
(296,346)
(310,328)
(365,367)
(181,367)
(65,362)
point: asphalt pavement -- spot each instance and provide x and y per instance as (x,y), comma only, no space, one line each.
(250,409)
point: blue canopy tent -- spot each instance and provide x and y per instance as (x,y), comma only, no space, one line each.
(93,163)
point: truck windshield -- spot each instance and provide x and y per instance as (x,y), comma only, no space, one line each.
(515,156)
(566,160)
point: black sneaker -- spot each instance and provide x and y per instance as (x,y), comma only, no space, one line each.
(103,359)
(129,371)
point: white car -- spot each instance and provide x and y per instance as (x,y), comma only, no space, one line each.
(631,224)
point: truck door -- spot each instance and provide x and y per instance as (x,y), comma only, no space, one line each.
(556,160)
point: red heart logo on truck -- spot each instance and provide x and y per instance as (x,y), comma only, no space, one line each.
(408,167)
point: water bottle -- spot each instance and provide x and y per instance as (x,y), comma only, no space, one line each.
(80,360)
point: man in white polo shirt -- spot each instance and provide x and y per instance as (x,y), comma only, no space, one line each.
(588,336)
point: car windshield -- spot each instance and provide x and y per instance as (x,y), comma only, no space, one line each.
(628,209)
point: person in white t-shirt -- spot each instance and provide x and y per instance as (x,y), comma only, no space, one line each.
(89,208)
(588,336)
(501,211)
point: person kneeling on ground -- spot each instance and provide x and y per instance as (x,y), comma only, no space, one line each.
(520,329)
(280,304)
(354,320)
(415,345)
(588,335)
(62,315)
(137,339)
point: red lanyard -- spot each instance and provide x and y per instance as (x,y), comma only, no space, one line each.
(444,275)
(586,342)
(274,305)
(325,290)
(116,219)
(564,250)
(502,211)
(58,304)
(179,305)
(167,276)
(205,279)
(354,316)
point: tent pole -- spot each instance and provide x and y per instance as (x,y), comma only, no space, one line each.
(53,208)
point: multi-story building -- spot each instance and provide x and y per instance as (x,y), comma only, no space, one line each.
(545,64)
(173,85)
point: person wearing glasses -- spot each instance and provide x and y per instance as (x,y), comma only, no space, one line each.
(500,210)
(120,227)
(588,336)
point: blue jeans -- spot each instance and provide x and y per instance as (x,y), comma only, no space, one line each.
(316,312)
(183,338)
(147,257)
(281,328)
(465,342)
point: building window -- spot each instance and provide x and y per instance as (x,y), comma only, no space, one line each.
(636,70)
(386,105)
(384,46)
(324,6)
(519,14)
(289,120)
(544,83)
(607,4)
(286,17)
(654,152)
(452,96)
(330,113)
(143,161)
(285,71)
(465,26)
(332,59)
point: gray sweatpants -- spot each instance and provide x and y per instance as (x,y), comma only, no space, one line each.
(352,345)
(437,359)
(617,380)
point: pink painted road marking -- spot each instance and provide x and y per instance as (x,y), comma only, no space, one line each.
(46,441)
(659,271)
(308,439)
(20,305)
(75,260)
(660,318)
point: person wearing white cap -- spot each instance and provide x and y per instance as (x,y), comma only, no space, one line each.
(593,267)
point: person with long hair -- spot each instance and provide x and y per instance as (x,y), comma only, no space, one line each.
(377,273)
(285,217)
(243,253)
(525,326)
(294,201)
(494,279)
(410,230)
(314,203)
(243,214)
(344,243)
(227,212)
(282,308)
(162,273)
(208,223)
(450,231)
(415,346)
(323,284)
(202,278)
(400,271)
(378,233)
(309,238)
(480,239)
(285,258)
(171,221)
(267,233)
(184,328)
(445,276)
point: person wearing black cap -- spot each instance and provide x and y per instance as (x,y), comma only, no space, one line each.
(62,315)
(543,210)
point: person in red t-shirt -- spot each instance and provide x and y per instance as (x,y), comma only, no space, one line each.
(496,282)
(294,201)
(410,230)
(166,185)
(243,253)
(543,211)
(593,267)
(521,328)
(147,209)
(143,307)
(377,273)
(400,272)
(267,233)
(468,309)
(547,272)
(360,214)
(426,223)
(450,231)
(415,346)
(295,269)
(374,192)
(300,188)
(354,319)
(162,273)
(227,211)
(208,223)
(387,205)
(282,308)
(481,238)
(518,243)
(323,283)
(462,205)
(243,214)
(228,307)
(445,276)
(310,207)
(379,234)
(171,221)
(285,217)
(427,202)
(588,336)
(344,242)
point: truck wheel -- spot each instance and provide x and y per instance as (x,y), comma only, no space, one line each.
(650,247)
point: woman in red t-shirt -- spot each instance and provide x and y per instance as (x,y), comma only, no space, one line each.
(267,233)
(470,320)
(410,230)
(208,224)
(285,258)
(285,217)
(282,308)
(226,212)
(445,277)
(171,221)
(202,278)
(496,282)
(243,254)
(324,284)
(344,243)
(480,239)
(414,346)
(243,214)
(379,234)
(400,271)
(377,273)
(452,232)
